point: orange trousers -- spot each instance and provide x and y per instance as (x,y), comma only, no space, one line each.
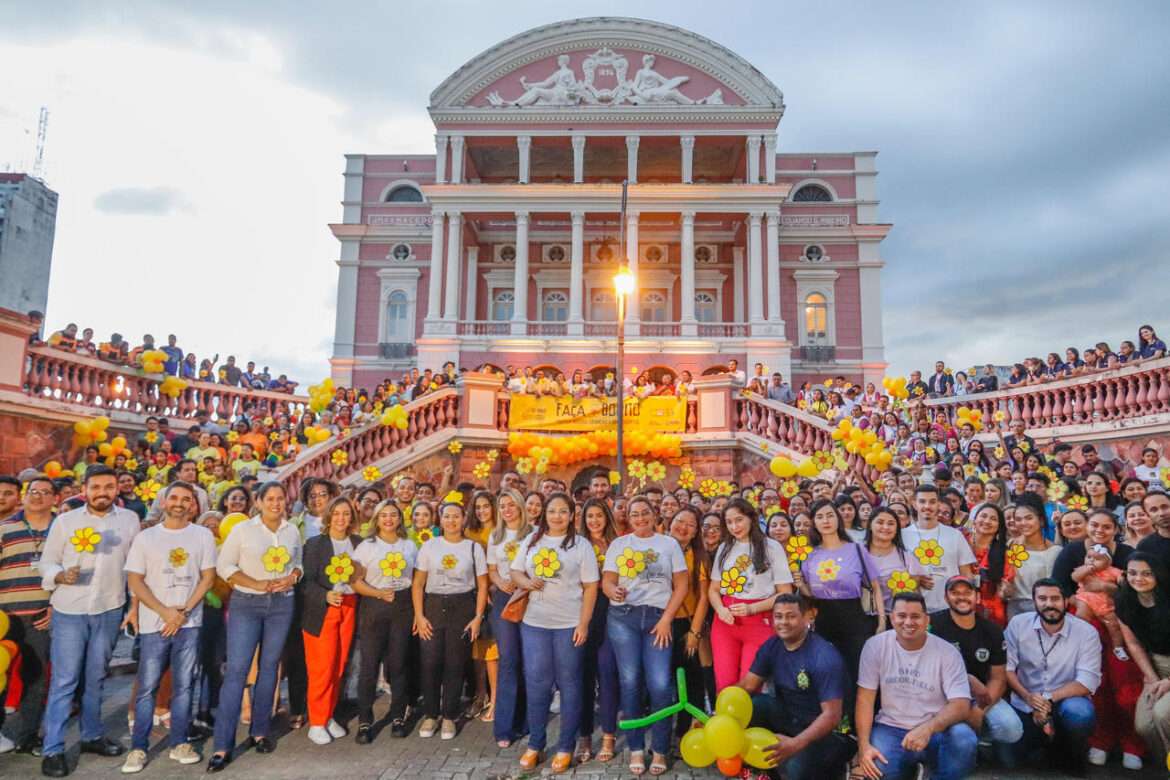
(325,659)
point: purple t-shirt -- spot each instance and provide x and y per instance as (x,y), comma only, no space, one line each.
(838,574)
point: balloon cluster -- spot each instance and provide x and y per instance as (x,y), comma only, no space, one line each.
(315,434)
(113,448)
(320,396)
(725,739)
(784,467)
(396,417)
(152,361)
(8,650)
(864,442)
(972,417)
(896,387)
(87,432)
(54,469)
(566,450)
(172,386)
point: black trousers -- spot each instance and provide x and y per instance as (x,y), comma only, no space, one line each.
(826,757)
(384,641)
(446,653)
(293,663)
(34,674)
(691,668)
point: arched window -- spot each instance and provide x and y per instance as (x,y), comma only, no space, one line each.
(398,327)
(654,307)
(603,307)
(705,307)
(556,307)
(816,319)
(404,194)
(812,193)
(503,305)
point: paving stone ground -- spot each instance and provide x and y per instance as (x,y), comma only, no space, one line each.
(473,755)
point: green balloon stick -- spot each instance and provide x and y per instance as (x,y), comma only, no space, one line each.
(666,712)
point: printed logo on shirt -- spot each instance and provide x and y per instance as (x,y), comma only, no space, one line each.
(393,564)
(982,654)
(743,562)
(901,582)
(449,561)
(178,557)
(929,552)
(631,563)
(732,581)
(546,564)
(510,549)
(828,569)
(802,681)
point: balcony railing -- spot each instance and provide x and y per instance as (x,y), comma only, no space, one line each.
(819,353)
(396,351)
(484,328)
(723,330)
(650,330)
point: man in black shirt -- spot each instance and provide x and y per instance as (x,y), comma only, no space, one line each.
(1157,506)
(984,652)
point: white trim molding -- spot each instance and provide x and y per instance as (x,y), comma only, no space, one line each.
(391,280)
(824,282)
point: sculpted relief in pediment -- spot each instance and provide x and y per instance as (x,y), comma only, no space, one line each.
(606,82)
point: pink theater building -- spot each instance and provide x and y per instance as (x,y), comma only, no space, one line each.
(501,247)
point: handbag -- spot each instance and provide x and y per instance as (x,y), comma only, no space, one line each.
(514,610)
(867,595)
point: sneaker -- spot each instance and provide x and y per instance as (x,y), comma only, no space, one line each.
(335,729)
(555,706)
(398,729)
(1130,761)
(6,745)
(428,727)
(185,754)
(135,762)
(319,735)
(1098,757)
(449,729)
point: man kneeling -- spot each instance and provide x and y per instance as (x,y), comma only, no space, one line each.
(810,682)
(925,700)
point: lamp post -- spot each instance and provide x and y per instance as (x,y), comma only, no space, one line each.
(623,284)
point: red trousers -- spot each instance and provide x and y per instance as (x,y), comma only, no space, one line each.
(325,657)
(733,648)
(1116,701)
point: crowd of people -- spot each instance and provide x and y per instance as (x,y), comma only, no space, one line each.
(930,617)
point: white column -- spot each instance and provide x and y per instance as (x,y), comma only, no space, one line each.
(520,285)
(456,159)
(633,309)
(773,242)
(687,310)
(472,281)
(454,255)
(344,328)
(578,159)
(435,284)
(632,159)
(869,277)
(440,159)
(524,145)
(753,159)
(755,272)
(737,280)
(577,274)
(688,158)
(770,158)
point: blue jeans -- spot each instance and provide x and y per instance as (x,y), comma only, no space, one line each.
(1001,724)
(552,656)
(180,652)
(601,675)
(253,620)
(642,668)
(1074,720)
(508,724)
(79,642)
(949,755)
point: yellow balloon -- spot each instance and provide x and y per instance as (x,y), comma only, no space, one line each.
(807,469)
(230,522)
(83,427)
(5,660)
(782,467)
(758,740)
(3,624)
(724,736)
(695,752)
(736,702)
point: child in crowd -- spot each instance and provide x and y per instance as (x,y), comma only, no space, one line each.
(1099,568)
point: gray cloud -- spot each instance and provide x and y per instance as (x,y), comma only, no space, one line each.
(142,201)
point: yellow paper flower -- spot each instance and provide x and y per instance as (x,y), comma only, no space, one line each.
(969,470)
(148,490)
(455,447)
(798,548)
(393,564)
(614,478)
(631,563)
(827,570)
(449,561)
(546,564)
(731,582)
(879,485)
(492,454)
(686,478)
(541,466)
(789,488)
(233,437)
(178,557)
(764,447)
(655,471)
(901,582)
(998,452)
(708,488)
(269,422)
(636,469)
(840,463)
(340,568)
(482,470)
(597,552)
(524,465)
(1016,555)
(1057,490)
(131,464)
(724,488)
(85,540)
(339,458)
(1164,473)
(453,497)
(752,498)
(1077,502)
(929,552)
(822,460)
(771,510)
(1000,416)
(274,436)
(424,535)
(151,437)
(828,383)
(275,558)
(371,474)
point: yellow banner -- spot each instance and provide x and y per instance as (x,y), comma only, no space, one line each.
(656,414)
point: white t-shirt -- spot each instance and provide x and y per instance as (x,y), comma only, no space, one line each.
(564,571)
(746,583)
(343,547)
(645,567)
(940,552)
(914,685)
(501,555)
(172,563)
(388,566)
(1148,474)
(451,568)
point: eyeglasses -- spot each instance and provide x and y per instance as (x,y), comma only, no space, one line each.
(38,493)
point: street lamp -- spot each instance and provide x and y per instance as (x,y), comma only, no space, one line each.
(623,285)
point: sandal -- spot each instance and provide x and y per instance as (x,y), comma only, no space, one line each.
(584,750)
(608,746)
(658,764)
(561,763)
(637,763)
(489,713)
(530,759)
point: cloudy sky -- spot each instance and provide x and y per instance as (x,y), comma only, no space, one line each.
(1024,153)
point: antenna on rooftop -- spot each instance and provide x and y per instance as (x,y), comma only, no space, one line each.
(38,169)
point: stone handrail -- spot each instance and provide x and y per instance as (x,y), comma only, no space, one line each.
(1125,393)
(102,387)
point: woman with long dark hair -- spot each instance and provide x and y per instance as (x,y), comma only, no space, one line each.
(989,543)
(883,540)
(688,626)
(601,676)
(1143,609)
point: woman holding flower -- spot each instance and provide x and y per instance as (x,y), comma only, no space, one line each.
(329,615)
(989,543)
(505,540)
(385,617)
(896,569)
(559,571)
(1029,553)
(485,653)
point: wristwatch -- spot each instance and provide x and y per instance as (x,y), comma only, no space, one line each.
(1047,696)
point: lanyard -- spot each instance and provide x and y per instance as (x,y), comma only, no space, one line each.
(1040,638)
